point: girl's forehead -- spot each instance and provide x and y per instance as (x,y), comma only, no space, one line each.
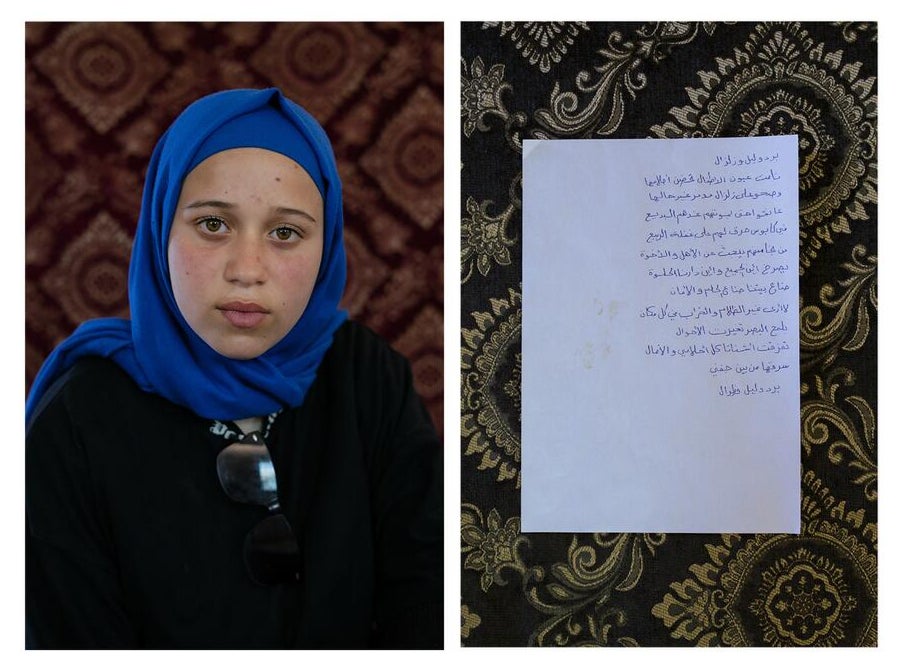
(238,155)
(255,182)
(272,129)
(237,167)
(234,167)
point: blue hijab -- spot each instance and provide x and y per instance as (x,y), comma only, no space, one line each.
(156,347)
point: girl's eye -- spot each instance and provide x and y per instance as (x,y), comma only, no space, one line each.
(285,234)
(212,225)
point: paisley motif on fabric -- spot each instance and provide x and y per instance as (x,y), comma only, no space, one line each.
(854,299)
(844,426)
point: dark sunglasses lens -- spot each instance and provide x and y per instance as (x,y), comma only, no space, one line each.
(247,473)
(271,552)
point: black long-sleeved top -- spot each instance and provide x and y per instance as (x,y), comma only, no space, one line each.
(132,542)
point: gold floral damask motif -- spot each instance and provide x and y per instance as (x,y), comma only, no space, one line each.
(481,93)
(469,621)
(490,387)
(849,327)
(784,82)
(829,422)
(490,545)
(484,239)
(603,106)
(481,97)
(576,595)
(851,30)
(542,43)
(843,425)
(618,74)
(819,588)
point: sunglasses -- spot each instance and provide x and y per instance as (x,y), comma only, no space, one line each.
(246,472)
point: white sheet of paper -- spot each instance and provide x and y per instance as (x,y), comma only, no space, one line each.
(661,372)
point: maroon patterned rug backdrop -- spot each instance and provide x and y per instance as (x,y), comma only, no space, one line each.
(98,96)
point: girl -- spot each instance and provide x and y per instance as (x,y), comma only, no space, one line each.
(237,466)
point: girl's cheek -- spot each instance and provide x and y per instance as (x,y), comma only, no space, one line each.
(190,258)
(187,264)
(299,269)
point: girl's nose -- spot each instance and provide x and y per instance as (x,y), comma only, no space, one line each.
(245,264)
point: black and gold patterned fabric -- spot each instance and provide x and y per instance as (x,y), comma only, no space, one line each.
(675,80)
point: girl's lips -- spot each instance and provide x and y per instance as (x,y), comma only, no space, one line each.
(243,315)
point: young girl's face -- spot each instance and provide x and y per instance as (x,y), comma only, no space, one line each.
(245,248)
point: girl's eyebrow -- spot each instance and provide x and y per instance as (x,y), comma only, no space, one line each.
(293,211)
(224,205)
(209,204)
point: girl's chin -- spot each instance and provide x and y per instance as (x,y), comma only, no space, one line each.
(241,347)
